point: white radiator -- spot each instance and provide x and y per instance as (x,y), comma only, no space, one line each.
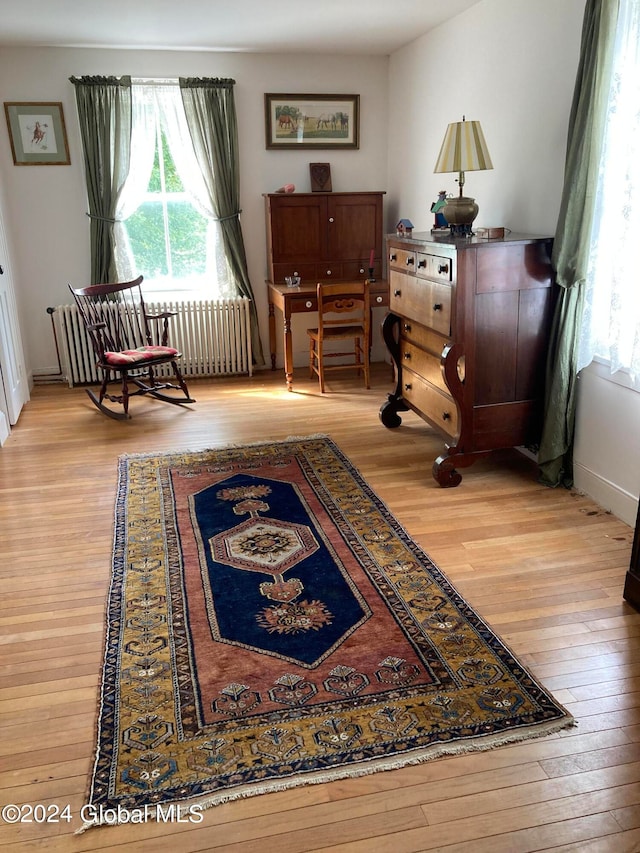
(214,337)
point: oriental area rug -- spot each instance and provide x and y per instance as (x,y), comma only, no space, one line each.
(271,624)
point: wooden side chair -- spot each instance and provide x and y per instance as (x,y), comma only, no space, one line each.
(130,345)
(343,314)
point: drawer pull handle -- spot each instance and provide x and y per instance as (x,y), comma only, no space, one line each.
(393,257)
(422,264)
(308,304)
(328,272)
(407,327)
(331,219)
(407,356)
(446,416)
(378,299)
(410,262)
(407,386)
(443,268)
(437,306)
(397,293)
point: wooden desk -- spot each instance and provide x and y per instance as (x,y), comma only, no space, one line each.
(303,300)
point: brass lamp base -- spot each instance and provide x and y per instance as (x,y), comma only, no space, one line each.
(460,211)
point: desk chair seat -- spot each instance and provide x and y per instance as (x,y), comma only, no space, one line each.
(343,314)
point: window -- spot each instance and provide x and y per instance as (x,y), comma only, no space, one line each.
(166,231)
(611,319)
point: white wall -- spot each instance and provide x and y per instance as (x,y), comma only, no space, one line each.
(46,218)
(607,445)
(515,74)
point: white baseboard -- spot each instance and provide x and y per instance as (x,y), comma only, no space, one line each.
(605,493)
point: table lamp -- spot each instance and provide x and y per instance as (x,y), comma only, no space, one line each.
(463,150)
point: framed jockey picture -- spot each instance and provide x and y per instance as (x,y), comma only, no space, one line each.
(37,133)
(312,121)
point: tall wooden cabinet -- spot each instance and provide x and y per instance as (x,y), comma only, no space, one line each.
(468,332)
(323,236)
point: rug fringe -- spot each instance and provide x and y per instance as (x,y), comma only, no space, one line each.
(365,768)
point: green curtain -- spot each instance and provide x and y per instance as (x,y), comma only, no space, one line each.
(104,111)
(573,237)
(211,116)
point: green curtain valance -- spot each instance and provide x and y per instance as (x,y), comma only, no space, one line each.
(203,82)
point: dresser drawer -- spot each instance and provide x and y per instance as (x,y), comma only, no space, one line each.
(434,266)
(402,259)
(425,302)
(423,337)
(433,404)
(425,364)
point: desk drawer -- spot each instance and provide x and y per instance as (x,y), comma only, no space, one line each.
(303,303)
(438,407)
(307,272)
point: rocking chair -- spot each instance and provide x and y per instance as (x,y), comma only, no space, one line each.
(129,345)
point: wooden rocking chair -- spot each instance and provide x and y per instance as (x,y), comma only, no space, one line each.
(129,345)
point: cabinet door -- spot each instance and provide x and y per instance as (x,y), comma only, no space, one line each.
(298,229)
(354,227)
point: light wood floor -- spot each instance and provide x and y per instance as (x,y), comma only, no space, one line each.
(544,567)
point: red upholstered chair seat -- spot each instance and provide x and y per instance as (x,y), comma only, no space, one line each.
(130,356)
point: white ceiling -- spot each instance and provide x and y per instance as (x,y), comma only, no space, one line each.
(255,26)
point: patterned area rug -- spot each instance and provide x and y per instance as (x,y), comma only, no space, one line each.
(270,624)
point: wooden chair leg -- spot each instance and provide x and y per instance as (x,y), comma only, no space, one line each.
(181,382)
(103,387)
(125,394)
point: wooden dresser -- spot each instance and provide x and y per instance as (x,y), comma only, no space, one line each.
(323,236)
(468,331)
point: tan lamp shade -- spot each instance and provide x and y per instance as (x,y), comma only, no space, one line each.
(464,149)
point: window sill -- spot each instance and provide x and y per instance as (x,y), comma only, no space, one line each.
(601,368)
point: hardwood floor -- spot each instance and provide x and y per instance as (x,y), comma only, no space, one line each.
(544,567)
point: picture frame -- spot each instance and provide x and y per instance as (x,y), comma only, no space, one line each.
(312,121)
(37,133)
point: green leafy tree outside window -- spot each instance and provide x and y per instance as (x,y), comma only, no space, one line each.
(167,234)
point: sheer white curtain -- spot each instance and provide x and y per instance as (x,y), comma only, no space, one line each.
(611,318)
(159,104)
(143,146)
(174,123)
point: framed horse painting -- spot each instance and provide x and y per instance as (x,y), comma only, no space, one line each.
(312,121)
(37,133)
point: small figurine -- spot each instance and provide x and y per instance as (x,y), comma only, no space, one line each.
(404,228)
(436,207)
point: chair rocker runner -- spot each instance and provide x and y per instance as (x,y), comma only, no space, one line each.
(129,345)
(343,314)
